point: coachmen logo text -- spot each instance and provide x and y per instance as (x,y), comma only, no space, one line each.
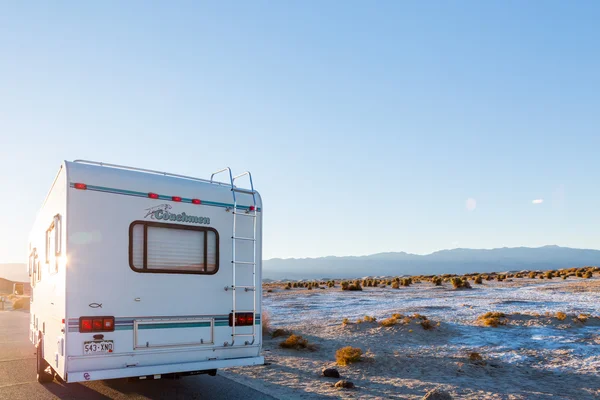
(162,213)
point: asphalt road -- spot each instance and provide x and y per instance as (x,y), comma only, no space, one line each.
(17,376)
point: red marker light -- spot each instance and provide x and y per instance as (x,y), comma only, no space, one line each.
(252,208)
(196,201)
(176,198)
(80,186)
(153,195)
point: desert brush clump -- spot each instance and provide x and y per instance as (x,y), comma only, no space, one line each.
(436,280)
(348,355)
(459,283)
(426,324)
(369,319)
(406,282)
(478,280)
(493,319)
(395,285)
(266,323)
(389,322)
(280,332)
(561,316)
(353,286)
(588,274)
(296,342)
(581,318)
(532,274)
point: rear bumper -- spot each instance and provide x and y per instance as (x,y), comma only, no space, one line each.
(129,372)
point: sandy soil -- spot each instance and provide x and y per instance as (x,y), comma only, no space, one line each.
(535,355)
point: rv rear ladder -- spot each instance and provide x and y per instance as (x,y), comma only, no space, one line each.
(235,262)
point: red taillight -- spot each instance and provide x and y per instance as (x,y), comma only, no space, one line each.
(251,208)
(80,186)
(176,198)
(85,324)
(196,201)
(96,324)
(153,195)
(241,319)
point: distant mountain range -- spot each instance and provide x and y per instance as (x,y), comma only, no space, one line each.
(455,261)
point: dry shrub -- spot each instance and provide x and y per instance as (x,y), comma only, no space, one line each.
(389,322)
(532,275)
(395,285)
(459,283)
(345,321)
(561,316)
(493,319)
(582,318)
(437,281)
(475,356)
(348,355)
(588,274)
(280,332)
(478,280)
(426,324)
(294,342)
(21,303)
(266,322)
(369,319)
(397,316)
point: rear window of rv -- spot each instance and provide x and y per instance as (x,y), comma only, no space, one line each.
(171,248)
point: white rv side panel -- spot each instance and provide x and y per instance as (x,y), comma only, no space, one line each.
(49,273)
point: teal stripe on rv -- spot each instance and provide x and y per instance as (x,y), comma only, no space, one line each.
(160,196)
(175,325)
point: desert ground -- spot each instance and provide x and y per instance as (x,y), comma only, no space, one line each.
(519,338)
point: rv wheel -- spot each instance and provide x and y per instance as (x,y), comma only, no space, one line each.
(43,376)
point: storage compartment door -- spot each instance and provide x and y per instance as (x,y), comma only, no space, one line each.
(172,333)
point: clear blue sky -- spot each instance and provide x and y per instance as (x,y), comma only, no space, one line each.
(367,127)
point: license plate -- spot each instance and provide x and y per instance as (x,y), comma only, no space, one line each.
(98,347)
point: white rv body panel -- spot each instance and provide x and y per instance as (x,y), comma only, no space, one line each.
(115,239)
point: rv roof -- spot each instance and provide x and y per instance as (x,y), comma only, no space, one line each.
(150,171)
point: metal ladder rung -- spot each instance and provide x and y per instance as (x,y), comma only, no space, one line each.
(243,238)
(245,214)
(241,190)
(244,262)
(244,287)
(242,334)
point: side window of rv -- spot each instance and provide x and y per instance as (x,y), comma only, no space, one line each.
(53,244)
(171,248)
(32,266)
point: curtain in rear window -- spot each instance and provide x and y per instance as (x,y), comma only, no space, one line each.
(172,248)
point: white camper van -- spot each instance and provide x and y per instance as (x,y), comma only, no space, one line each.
(140,273)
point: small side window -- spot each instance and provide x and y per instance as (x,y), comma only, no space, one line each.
(53,244)
(57,235)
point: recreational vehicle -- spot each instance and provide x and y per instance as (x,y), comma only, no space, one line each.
(141,273)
